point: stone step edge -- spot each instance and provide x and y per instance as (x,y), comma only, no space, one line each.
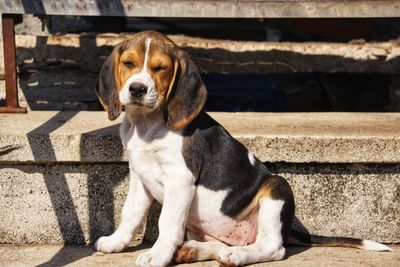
(82,137)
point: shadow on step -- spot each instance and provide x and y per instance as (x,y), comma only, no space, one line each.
(59,192)
(67,255)
(100,186)
(293,250)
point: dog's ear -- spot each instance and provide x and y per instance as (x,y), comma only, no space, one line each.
(107,85)
(187,94)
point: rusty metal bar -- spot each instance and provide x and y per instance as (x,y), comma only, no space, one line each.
(10,65)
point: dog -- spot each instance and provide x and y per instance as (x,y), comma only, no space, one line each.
(234,210)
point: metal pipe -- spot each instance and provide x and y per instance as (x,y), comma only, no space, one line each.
(10,65)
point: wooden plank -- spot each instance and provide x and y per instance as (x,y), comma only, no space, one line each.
(88,52)
(207,8)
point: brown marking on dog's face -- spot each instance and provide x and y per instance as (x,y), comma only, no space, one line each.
(162,66)
(131,60)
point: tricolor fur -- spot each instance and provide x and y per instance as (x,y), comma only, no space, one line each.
(234,210)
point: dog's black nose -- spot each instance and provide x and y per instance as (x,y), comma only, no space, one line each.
(137,89)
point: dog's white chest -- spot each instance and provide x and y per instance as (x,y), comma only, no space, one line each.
(155,157)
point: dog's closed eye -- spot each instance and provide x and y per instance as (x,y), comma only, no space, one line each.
(128,64)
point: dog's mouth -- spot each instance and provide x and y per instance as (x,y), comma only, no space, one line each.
(138,103)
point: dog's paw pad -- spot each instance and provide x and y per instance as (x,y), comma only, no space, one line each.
(184,253)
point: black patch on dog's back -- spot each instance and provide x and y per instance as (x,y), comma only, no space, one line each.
(220,162)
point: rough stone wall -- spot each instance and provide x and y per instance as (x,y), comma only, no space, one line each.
(77,203)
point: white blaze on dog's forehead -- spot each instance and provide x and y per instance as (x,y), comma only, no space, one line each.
(143,77)
(146,54)
(252,159)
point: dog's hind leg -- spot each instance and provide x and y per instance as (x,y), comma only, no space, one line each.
(276,212)
(268,245)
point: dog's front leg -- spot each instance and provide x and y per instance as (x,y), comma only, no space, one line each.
(178,195)
(134,212)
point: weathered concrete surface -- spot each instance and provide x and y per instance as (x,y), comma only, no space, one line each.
(60,136)
(50,255)
(346,199)
(290,137)
(77,203)
(60,203)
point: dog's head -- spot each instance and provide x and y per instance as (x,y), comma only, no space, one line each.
(151,73)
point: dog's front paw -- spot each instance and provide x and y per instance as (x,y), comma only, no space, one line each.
(110,244)
(152,259)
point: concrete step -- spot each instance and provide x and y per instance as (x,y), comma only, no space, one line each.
(53,255)
(63,175)
(52,136)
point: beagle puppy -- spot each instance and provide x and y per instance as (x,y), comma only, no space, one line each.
(234,210)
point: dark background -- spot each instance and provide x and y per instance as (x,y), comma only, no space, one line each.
(271,92)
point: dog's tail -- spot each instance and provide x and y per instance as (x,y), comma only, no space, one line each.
(303,239)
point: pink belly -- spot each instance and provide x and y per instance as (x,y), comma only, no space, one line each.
(229,231)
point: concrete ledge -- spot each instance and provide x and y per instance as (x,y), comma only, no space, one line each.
(273,137)
(50,255)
